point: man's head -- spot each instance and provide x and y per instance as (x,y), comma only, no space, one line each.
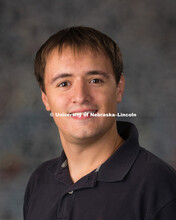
(78,39)
(78,70)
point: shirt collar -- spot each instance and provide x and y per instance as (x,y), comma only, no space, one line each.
(117,166)
(120,163)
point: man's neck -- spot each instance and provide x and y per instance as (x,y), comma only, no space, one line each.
(82,159)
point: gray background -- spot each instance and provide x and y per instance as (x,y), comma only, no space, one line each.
(145,32)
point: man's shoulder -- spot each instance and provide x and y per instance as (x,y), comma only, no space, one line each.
(153,163)
(155,171)
(155,181)
(46,168)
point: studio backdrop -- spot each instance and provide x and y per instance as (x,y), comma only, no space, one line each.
(145,32)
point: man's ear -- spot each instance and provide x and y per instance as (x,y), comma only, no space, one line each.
(120,88)
(45,101)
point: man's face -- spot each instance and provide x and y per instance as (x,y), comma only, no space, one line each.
(81,82)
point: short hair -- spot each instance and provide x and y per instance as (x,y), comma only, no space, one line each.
(78,38)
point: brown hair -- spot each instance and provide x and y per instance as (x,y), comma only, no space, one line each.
(78,38)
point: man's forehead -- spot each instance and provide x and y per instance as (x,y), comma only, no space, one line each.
(63,62)
(76,51)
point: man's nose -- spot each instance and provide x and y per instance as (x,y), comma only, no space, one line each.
(80,92)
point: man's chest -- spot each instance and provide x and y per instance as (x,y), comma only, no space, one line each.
(103,201)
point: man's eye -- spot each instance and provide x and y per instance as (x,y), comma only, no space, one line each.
(63,84)
(96,81)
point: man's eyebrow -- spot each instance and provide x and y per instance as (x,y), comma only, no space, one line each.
(92,72)
(98,72)
(60,76)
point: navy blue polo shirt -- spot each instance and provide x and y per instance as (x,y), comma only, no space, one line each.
(132,184)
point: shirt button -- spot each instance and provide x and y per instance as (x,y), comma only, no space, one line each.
(71,192)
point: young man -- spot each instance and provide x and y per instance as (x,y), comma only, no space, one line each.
(103,173)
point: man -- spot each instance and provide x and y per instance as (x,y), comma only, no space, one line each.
(103,173)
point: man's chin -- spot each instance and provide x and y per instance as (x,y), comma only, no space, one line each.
(83,137)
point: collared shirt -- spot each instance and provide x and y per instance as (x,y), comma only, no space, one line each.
(132,184)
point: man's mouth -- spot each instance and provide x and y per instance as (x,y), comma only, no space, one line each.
(83,114)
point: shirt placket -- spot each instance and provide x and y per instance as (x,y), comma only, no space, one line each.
(67,201)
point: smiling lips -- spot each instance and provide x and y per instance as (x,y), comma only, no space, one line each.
(82,114)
